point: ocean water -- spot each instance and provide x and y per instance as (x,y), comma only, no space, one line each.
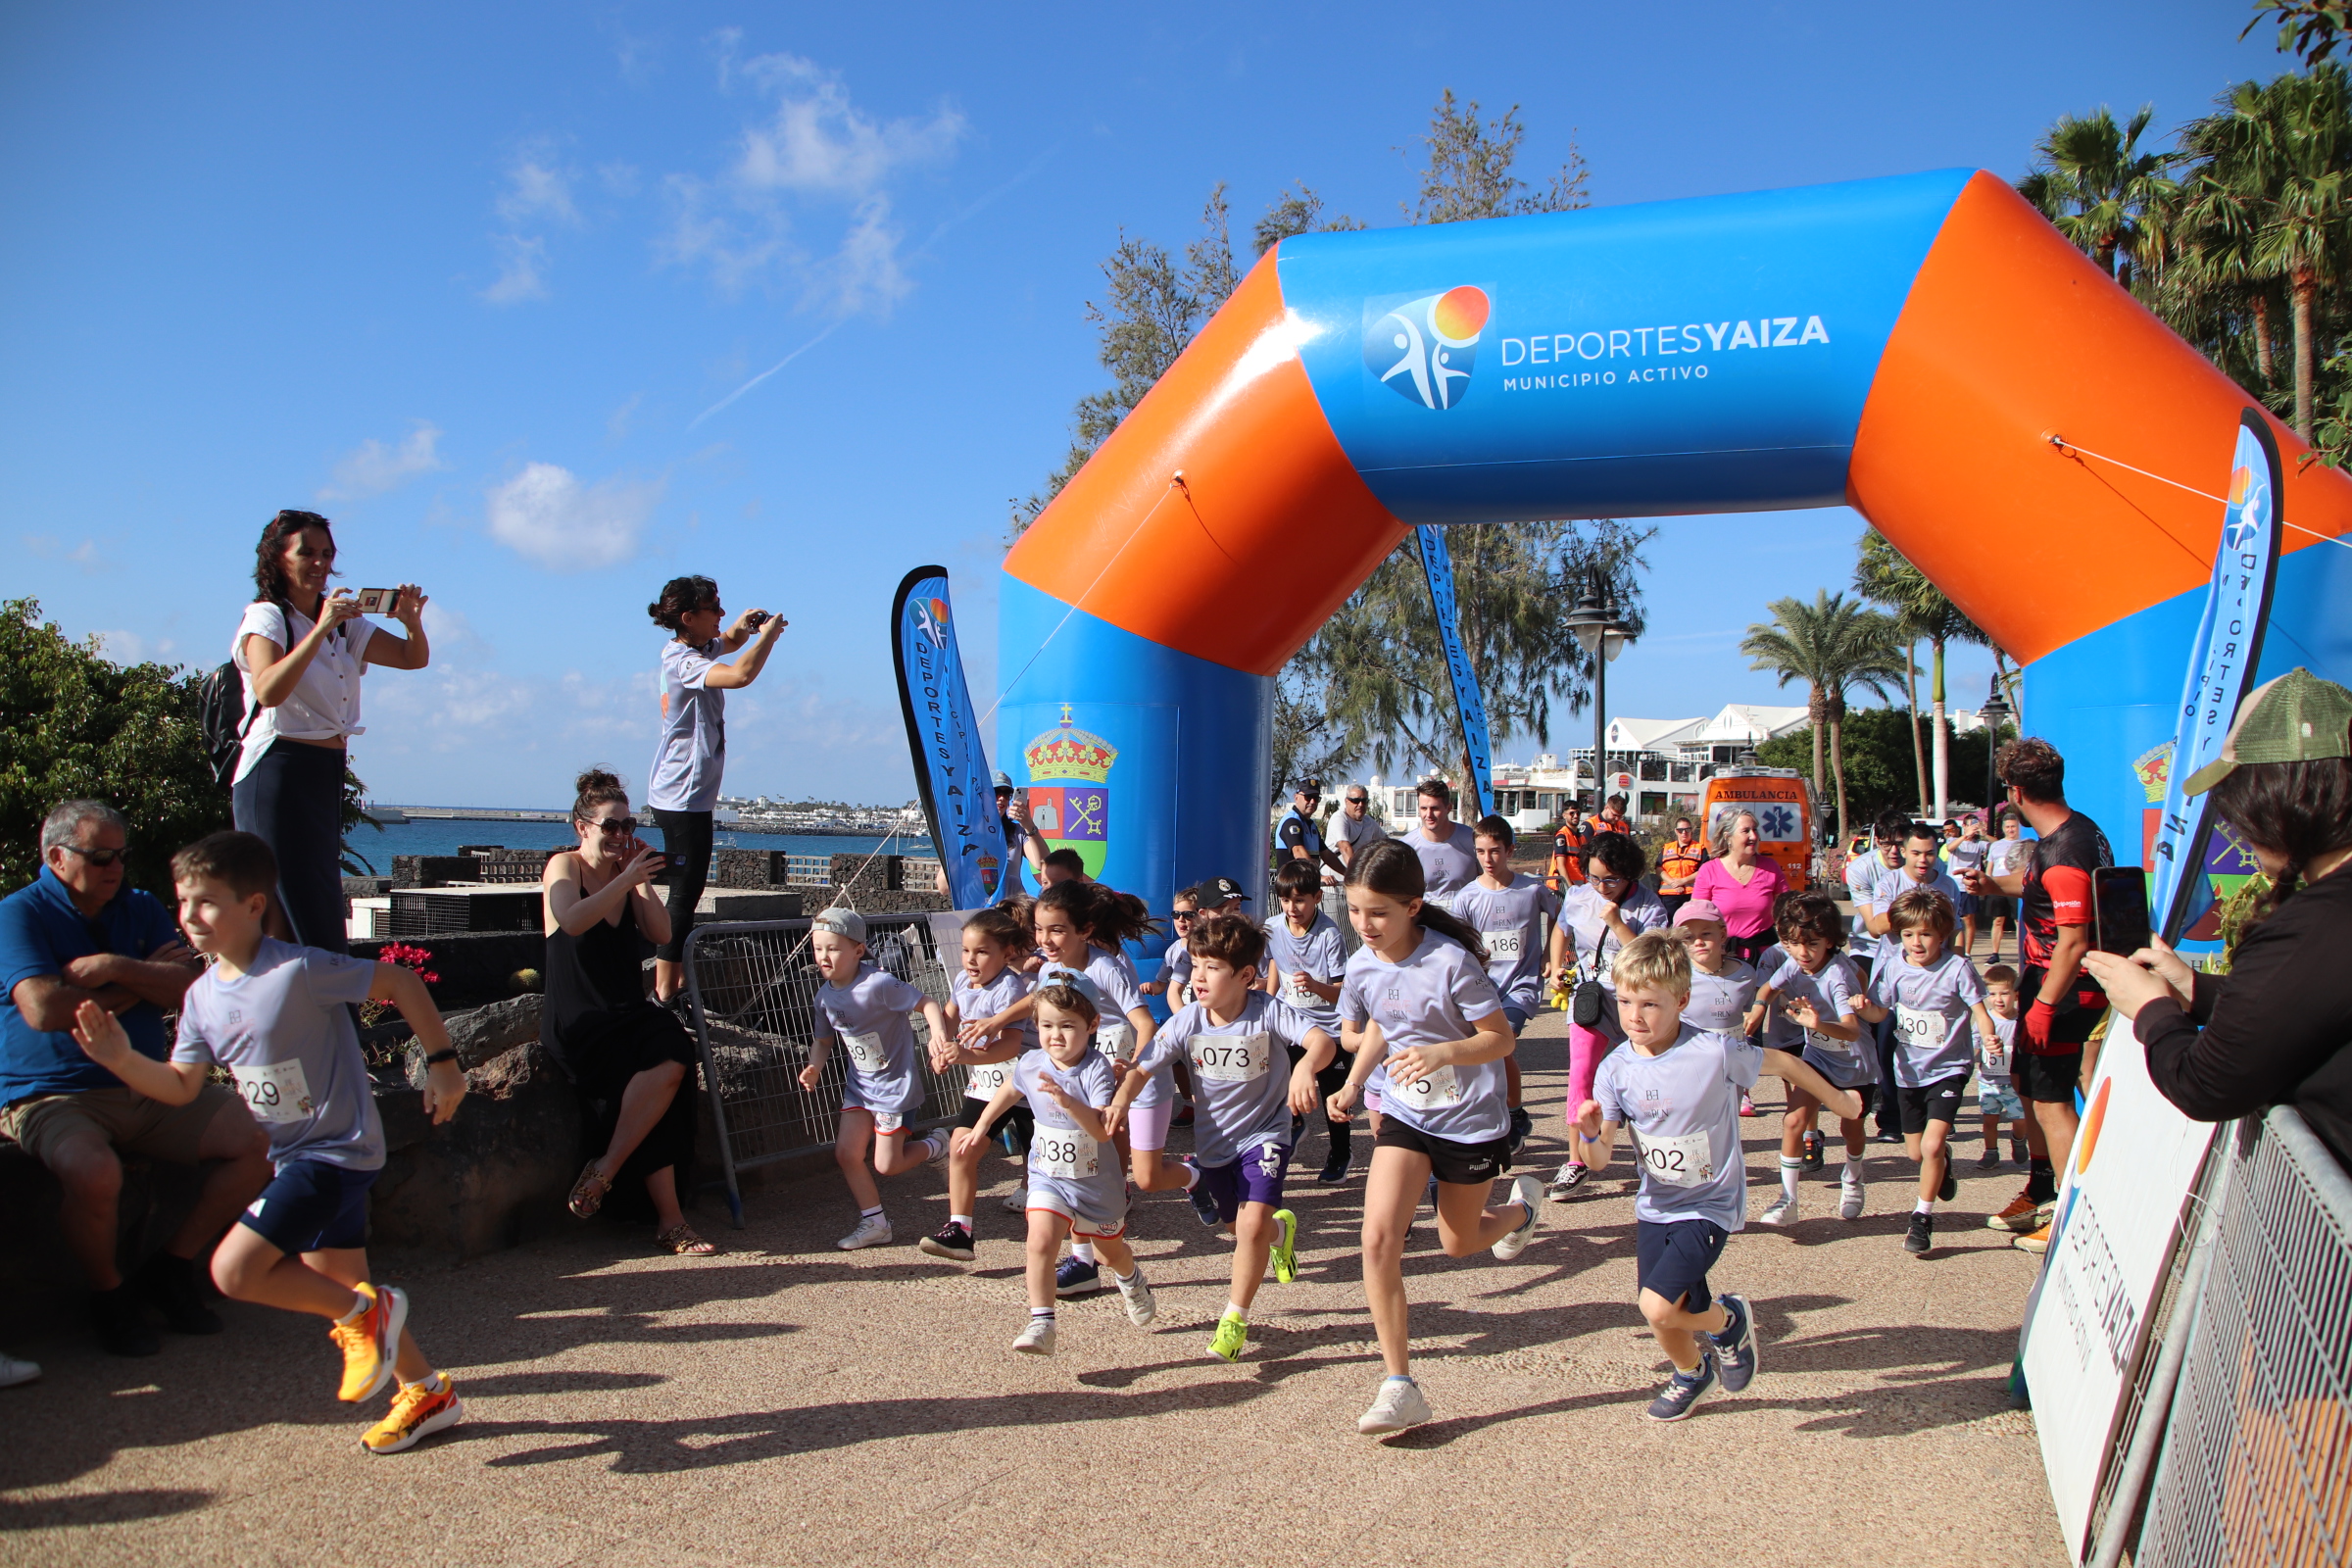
(444,836)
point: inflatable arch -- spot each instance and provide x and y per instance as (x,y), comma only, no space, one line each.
(1905,346)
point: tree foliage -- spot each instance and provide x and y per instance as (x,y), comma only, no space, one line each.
(75,724)
(1833,647)
(1877,743)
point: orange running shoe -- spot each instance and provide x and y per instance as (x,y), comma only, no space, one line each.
(418,1410)
(371,1343)
(2022,1215)
(2038,1242)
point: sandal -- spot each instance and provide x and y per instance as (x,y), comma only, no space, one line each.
(588,1193)
(682,1240)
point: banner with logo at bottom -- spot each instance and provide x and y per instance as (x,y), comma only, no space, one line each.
(2119,1219)
(950,764)
(1436,564)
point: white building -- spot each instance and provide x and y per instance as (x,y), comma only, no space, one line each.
(1657,763)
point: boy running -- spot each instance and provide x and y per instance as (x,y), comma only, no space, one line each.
(278,1017)
(1938,1005)
(1507,910)
(1306,962)
(1996,1097)
(1678,1088)
(1814,990)
(1241,1134)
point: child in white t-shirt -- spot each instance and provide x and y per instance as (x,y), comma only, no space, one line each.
(1996,1096)
(1816,992)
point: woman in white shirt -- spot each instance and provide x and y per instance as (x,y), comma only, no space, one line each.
(302,651)
(683,792)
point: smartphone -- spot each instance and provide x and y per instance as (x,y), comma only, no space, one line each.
(2119,910)
(756,620)
(379,601)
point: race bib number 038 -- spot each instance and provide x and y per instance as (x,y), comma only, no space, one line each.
(1065,1153)
(276,1092)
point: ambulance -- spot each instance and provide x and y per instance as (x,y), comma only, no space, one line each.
(1782,800)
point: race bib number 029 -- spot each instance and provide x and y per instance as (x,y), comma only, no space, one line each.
(276,1092)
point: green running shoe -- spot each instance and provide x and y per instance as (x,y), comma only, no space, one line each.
(1232,1337)
(1286,1247)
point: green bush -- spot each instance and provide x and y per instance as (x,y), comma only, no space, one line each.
(74,723)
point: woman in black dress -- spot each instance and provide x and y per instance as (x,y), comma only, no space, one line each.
(630,1057)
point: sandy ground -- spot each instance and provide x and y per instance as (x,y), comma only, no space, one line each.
(791,1403)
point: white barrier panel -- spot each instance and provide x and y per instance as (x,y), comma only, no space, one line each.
(2119,1208)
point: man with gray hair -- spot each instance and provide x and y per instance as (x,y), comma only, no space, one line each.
(78,932)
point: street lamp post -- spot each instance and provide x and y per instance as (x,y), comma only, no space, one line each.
(1995,714)
(1601,634)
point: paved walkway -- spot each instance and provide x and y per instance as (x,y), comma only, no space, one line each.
(791,1403)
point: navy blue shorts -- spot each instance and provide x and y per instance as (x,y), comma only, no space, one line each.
(1516,1016)
(311,1206)
(1255,1178)
(1674,1257)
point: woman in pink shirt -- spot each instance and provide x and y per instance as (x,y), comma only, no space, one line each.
(1743,884)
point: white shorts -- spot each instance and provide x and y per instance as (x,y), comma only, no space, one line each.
(885,1121)
(1088,1212)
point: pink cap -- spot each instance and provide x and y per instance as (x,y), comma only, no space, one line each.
(1700,910)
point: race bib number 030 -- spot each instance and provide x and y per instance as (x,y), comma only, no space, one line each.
(1065,1153)
(1231,1058)
(1919,1029)
(276,1092)
(1432,1093)
(1683,1161)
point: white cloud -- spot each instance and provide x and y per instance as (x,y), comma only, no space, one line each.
(130,648)
(762,220)
(521,270)
(371,468)
(48,547)
(546,514)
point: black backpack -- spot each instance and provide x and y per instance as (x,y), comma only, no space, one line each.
(223,716)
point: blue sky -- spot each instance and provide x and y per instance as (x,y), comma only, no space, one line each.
(479,282)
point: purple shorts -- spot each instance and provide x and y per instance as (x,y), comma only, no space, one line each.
(1255,1178)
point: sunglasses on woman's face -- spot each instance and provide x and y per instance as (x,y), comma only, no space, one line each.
(609,825)
(1185,916)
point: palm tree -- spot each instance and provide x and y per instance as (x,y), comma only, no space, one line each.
(1833,646)
(1883,576)
(2091,180)
(2306,222)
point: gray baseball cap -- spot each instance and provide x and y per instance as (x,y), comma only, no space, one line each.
(842,923)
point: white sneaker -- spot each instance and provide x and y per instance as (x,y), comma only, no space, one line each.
(872,1231)
(1529,1190)
(937,1143)
(1037,1339)
(14,1371)
(1136,1291)
(1849,1196)
(1399,1404)
(1782,1212)
(1017,1200)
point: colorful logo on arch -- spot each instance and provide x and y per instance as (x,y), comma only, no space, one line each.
(1426,349)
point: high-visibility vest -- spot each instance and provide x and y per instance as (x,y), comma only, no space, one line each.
(1568,848)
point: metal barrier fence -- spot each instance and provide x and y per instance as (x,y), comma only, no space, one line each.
(753,989)
(2256,1466)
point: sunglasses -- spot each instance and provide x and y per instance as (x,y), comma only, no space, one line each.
(612,824)
(97,857)
(1358,799)
(1185,916)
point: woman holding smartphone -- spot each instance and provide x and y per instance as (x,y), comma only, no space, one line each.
(302,651)
(692,751)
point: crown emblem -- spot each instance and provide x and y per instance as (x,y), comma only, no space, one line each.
(1067,752)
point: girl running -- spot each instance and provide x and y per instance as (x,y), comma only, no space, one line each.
(1507,910)
(1434,1024)
(1721,987)
(1075,1188)
(1601,915)
(990,983)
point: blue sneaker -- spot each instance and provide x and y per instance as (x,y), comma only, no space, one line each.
(1077,1277)
(1683,1392)
(1736,1356)
(1204,1203)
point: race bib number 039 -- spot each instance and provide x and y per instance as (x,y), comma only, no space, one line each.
(276,1092)
(1065,1153)
(866,1051)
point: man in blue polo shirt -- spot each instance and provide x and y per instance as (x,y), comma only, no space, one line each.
(77,934)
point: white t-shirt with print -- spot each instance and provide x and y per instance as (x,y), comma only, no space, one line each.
(325,704)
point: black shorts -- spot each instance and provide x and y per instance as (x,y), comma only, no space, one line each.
(2051,1078)
(311,1206)
(2072,1025)
(1013,1130)
(1457,1164)
(1675,1257)
(1937,1101)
